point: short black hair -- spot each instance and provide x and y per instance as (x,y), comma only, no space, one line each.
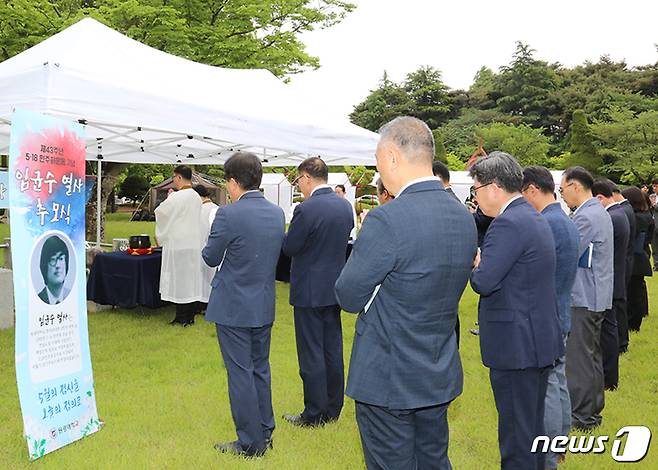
(635,198)
(579,174)
(540,178)
(654,182)
(51,247)
(201,190)
(341,186)
(602,187)
(315,168)
(246,169)
(381,188)
(441,170)
(613,186)
(184,171)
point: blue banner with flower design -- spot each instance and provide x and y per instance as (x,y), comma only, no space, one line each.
(47,208)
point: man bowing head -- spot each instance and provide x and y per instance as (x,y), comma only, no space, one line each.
(405,276)
(246,239)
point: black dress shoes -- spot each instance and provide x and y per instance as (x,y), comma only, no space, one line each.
(235,448)
(299,420)
(183,323)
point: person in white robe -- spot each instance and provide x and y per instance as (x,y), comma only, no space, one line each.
(208,212)
(178,230)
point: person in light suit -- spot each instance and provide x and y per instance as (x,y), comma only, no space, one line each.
(317,243)
(247,235)
(405,277)
(520,336)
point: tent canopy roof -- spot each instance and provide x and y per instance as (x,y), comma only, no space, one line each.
(143,105)
(197,178)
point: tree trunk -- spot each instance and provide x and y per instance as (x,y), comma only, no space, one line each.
(109,175)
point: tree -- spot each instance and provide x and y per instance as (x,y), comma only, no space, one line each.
(227,33)
(525,89)
(629,145)
(430,100)
(133,187)
(439,148)
(529,146)
(383,104)
(482,93)
(581,144)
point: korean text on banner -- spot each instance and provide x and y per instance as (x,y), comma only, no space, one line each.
(47,208)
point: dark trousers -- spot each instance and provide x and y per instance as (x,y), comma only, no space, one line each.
(246,353)
(185,312)
(457,333)
(404,439)
(319,338)
(638,302)
(610,349)
(654,249)
(585,368)
(619,306)
(520,397)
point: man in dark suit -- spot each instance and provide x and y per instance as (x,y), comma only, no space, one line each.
(245,238)
(406,274)
(317,242)
(602,190)
(622,308)
(519,330)
(539,191)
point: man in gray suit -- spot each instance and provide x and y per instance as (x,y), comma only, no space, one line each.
(246,238)
(405,276)
(590,298)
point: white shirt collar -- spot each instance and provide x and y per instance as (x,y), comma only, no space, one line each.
(52,300)
(418,180)
(250,191)
(611,205)
(321,186)
(506,205)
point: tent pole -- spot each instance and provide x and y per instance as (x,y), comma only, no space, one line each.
(98,205)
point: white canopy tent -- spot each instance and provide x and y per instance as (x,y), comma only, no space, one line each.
(142,105)
(342,178)
(278,190)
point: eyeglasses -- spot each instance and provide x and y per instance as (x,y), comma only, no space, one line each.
(52,262)
(474,189)
(565,186)
(296,180)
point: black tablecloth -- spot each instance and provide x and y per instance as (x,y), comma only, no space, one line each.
(125,280)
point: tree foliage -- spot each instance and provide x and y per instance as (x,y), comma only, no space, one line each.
(529,146)
(227,33)
(133,187)
(582,151)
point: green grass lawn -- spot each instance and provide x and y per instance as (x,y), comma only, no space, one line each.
(162,393)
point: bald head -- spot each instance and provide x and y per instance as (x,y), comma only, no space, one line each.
(412,137)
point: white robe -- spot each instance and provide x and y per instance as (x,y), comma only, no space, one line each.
(178,230)
(208,212)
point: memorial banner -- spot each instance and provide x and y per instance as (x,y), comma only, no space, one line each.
(47,219)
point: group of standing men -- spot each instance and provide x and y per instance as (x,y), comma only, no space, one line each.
(405,277)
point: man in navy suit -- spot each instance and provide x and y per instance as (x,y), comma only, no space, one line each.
(539,191)
(621,230)
(405,276)
(317,243)
(245,238)
(621,309)
(519,330)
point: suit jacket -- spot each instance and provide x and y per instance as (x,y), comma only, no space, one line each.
(565,236)
(317,242)
(419,250)
(43,295)
(482,223)
(593,287)
(632,223)
(642,250)
(247,235)
(517,312)
(621,236)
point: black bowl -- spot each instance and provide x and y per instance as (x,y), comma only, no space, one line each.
(140,241)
